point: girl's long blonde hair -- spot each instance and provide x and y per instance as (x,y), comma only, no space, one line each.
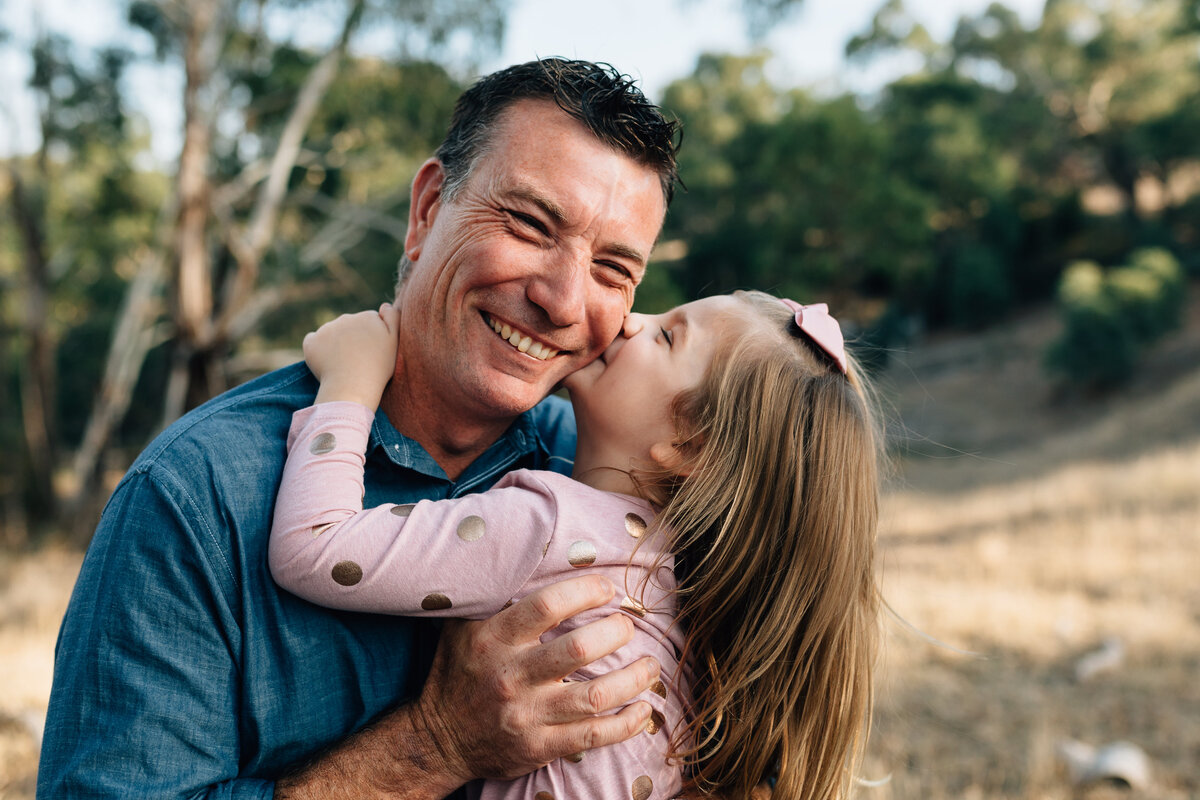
(774,536)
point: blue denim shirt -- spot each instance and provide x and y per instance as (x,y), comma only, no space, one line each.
(181,669)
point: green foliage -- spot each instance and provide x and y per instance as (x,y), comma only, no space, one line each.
(82,103)
(1111,317)
(794,195)
(378,123)
(659,289)
(979,287)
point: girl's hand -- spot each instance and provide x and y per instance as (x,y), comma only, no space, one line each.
(354,356)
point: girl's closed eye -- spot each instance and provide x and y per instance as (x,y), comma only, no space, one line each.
(668,336)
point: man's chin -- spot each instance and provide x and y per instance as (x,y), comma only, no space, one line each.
(517,398)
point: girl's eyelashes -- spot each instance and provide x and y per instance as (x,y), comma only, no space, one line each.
(667,335)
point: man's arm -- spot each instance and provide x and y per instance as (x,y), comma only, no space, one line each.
(146,690)
(145,694)
(494,705)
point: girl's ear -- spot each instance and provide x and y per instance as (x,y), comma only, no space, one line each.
(670,457)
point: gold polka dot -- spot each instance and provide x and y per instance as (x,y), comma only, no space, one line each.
(581,554)
(319,529)
(506,605)
(403,510)
(642,788)
(436,602)
(655,723)
(543,796)
(633,607)
(322,444)
(659,688)
(347,573)
(574,758)
(471,529)
(635,525)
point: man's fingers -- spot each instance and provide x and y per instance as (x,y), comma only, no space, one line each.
(580,699)
(537,613)
(588,734)
(572,651)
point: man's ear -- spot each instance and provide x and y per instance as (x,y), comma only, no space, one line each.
(670,457)
(422,211)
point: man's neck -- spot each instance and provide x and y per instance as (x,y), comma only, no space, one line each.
(453,437)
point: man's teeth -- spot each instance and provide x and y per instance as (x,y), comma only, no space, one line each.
(522,342)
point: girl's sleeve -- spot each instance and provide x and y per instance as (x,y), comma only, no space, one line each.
(636,768)
(464,557)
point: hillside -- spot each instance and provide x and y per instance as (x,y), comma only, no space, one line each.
(985,404)
(1030,528)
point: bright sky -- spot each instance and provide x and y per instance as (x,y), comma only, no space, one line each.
(655,41)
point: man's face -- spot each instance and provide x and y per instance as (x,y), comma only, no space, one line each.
(527,274)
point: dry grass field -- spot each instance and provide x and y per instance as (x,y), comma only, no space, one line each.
(1022,529)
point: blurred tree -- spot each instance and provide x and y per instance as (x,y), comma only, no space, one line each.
(291,170)
(788,193)
(1109,72)
(724,95)
(76,203)
(1017,132)
(224,234)
(1111,317)
(762,15)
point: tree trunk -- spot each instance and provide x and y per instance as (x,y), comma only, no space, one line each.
(192,306)
(208,334)
(37,369)
(138,330)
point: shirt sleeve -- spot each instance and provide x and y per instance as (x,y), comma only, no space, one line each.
(635,768)
(464,557)
(128,717)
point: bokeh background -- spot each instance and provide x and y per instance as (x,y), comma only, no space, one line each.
(1002,202)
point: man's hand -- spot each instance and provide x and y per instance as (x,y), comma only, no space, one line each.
(494,704)
(495,701)
(354,356)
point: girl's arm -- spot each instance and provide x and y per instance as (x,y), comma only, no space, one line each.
(460,558)
(635,768)
(465,557)
(354,356)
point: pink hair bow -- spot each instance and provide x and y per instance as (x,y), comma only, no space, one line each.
(817,324)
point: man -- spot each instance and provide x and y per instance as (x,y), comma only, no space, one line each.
(182,671)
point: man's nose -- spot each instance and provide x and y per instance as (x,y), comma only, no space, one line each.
(561,291)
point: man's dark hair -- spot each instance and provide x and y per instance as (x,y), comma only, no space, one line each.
(604,100)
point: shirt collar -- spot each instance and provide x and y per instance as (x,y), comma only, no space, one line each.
(521,442)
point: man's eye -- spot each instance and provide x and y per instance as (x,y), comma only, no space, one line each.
(612,266)
(528,221)
(667,335)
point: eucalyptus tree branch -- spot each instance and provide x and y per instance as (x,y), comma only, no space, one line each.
(248,250)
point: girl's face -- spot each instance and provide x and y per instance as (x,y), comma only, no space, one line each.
(622,400)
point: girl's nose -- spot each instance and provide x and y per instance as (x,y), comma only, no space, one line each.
(634,323)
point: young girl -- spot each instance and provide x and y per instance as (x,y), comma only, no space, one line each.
(725,477)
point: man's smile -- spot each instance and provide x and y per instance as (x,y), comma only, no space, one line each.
(521,340)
